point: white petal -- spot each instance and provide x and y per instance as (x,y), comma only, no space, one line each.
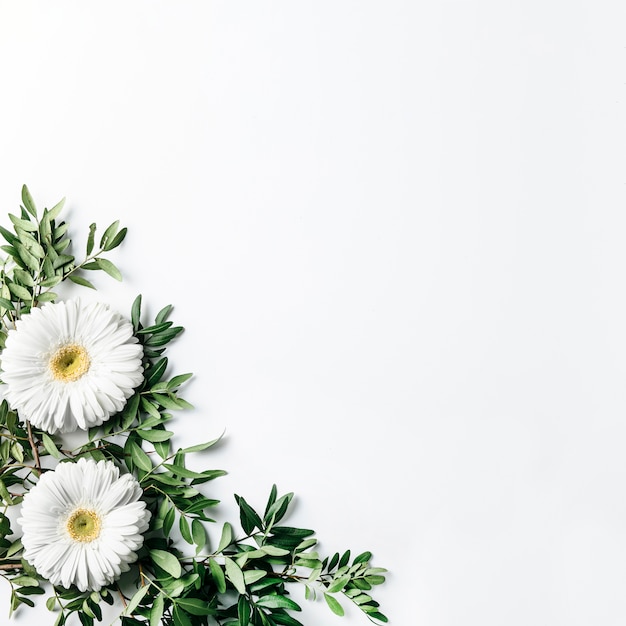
(115,367)
(98,487)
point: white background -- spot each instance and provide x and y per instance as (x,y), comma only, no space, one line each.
(394,232)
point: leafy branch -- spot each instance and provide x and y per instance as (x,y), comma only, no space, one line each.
(185,574)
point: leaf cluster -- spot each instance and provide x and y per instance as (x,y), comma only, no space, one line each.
(189,571)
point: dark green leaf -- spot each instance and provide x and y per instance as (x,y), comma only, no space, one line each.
(117,240)
(364,557)
(108,233)
(243,611)
(185,531)
(218,575)
(91,238)
(135,312)
(248,516)
(181,618)
(168,521)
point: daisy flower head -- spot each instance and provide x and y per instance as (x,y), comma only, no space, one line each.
(69,365)
(82,524)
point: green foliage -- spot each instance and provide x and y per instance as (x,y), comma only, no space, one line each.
(189,572)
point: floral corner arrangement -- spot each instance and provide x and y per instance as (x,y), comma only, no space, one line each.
(120,519)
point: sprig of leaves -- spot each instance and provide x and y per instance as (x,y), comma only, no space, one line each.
(38,258)
(189,572)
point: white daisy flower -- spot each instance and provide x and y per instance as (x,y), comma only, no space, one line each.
(82,524)
(67,365)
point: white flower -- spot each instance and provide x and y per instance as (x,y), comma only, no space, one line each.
(82,524)
(67,365)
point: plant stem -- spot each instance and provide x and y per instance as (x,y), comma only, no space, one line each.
(33,446)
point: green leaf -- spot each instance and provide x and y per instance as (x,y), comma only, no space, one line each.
(177,381)
(134,601)
(109,268)
(167,401)
(195,606)
(167,561)
(90,238)
(200,446)
(181,618)
(50,446)
(135,312)
(109,232)
(252,576)
(156,612)
(344,558)
(218,575)
(8,235)
(198,532)
(156,372)
(79,280)
(21,292)
(4,492)
(248,516)
(23,277)
(375,580)
(26,581)
(47,296)
(14,548)
(226,538)
(155,435)
(339,583)
(277,601)
(285,619)
(55,211)
(243,611)
(378,616)
(117,240)
(274,551)
(235,575)
(270,501)
(168,521)
(32,245)
(163,314)
(62,260)
(28,201)
(7,304)
(364,557)
(185,531)
(335,607)
(277,509)
(25,225)
(139,457)
(184,472)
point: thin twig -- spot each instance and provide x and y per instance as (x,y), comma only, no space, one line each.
(122,596)
(6,566)
(33,446)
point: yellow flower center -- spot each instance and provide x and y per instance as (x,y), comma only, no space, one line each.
(69,363)
(84,525)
